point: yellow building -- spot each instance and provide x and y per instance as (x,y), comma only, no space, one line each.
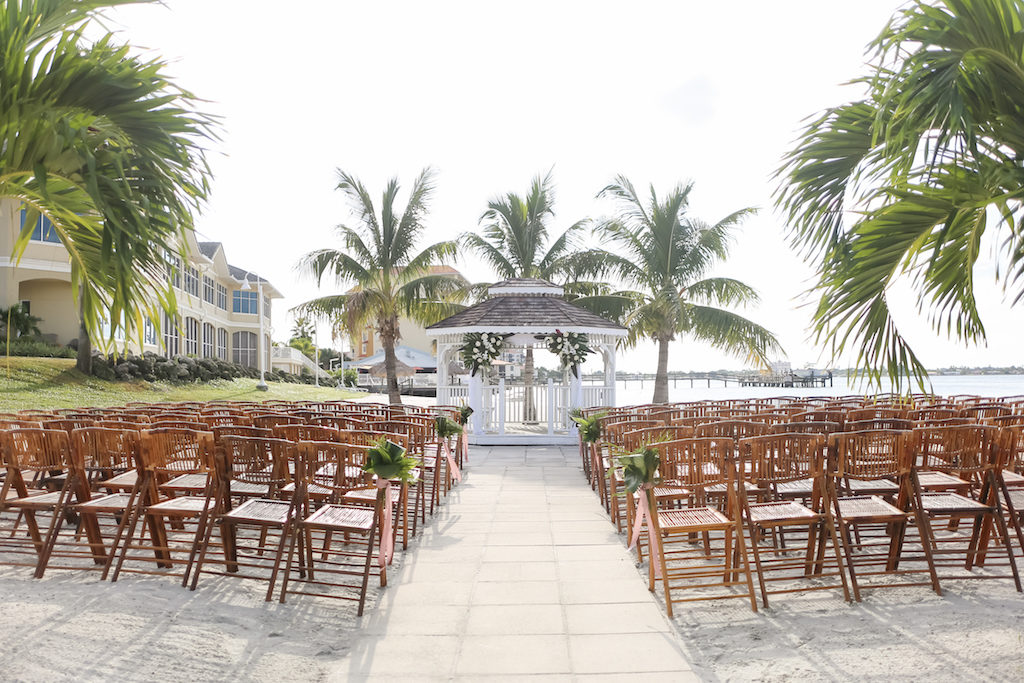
(218,303)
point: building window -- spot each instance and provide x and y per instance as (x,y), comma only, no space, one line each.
(192,281)
(208,289)
(209,332)
(174,271)
(222,344)
(222,297)
(243,348)
(172,338)
(191,337)
(149,333)
(244,302)
(42,231)
(266,306)
(26,306)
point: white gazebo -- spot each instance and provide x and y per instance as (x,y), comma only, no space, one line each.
(507,412)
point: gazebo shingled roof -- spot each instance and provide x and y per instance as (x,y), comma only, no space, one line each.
(523,303)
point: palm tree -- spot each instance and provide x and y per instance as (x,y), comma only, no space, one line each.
(515,242)
(899,184)
(378,259)
(103,144)
(665,256)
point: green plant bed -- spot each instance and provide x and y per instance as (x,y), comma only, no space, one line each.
(55,383)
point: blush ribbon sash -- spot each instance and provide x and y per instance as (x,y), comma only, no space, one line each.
(643,512)
(465,444)
(453,466)
(387,541)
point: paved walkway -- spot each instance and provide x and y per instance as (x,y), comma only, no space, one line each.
(520,574)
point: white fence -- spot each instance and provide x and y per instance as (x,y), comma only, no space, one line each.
(515,408)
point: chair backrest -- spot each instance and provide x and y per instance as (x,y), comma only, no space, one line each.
(639,438)
(824,428)
(768,418)
(306,432)
(225,420)
(872,454)
(732,429)
(271,420)
(258,460)
(984,411)
(180,424)
(819,416)
(930,414)
(105,448)
(1008,420)
(958,449)
(339,421)
(176,451)
(778,458)
(329,466)
(878,423)
(697,463)
(874,413)
(35,449)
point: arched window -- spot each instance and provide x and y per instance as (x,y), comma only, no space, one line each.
(172,338)
(222,343)
(191,337)
(209,339)
(243,346)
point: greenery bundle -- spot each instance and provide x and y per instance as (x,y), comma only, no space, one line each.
(572,348)
(464,414)
(481,349)
(590,427)
(387,460)
(639,468)
(446,427)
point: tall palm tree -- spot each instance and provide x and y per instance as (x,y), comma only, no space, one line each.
(103,144)
(899,183)
(664,257)
(516,242)
(378,260)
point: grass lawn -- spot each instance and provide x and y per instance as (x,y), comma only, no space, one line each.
(54,383)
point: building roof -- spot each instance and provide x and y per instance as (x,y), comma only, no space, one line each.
(521,310)
(208,249)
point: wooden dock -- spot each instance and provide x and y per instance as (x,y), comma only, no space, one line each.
(808,379)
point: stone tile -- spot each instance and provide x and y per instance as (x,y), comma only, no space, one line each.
(602,552)
(408,655)
(428,593)
(516,593)
(515,620)
(604,591)
(594,569)
(649,677)
(518,571)
(604,654)
(419,572)
(635,617)
(608,536)
(519,553)
(405,619)
(505,654)
(500,538)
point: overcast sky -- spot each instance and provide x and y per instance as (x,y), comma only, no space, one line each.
(492,93)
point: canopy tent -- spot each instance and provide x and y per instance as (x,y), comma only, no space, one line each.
(412,358)
(401,369)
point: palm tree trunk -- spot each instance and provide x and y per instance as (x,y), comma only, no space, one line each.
(529,409)
(84,361)
(661,378)
(388,336)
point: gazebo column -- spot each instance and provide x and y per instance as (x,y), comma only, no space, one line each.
(476,402)
(609,373)
(575,391)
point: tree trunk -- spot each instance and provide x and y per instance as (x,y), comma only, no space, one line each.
(84,362)
(388,336)
(529,409)
(661,378)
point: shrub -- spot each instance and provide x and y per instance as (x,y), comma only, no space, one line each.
(34,346)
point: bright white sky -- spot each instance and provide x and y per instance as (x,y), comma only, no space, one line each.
(492,93)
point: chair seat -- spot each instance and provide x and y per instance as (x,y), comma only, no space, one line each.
(314,490)
(186,482)
(670,491)
(13,495)
(245,488)
(871,487)
(345,517)
(1013,479)
(720,488)
(260,510)
(123,481)
(692,518)
(361,496)
(780,511)
(182,505)
(799,488)
(951,503)
(859,508)
(112,502)
(41,500)
(940,481)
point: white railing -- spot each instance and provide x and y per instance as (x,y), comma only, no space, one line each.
(453,395)
(288,353)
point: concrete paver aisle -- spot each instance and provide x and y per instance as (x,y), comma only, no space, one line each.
(519,574)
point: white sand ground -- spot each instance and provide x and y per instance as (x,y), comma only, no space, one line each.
(69,626)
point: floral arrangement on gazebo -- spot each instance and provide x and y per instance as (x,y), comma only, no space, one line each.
(572,348)
(481,349)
